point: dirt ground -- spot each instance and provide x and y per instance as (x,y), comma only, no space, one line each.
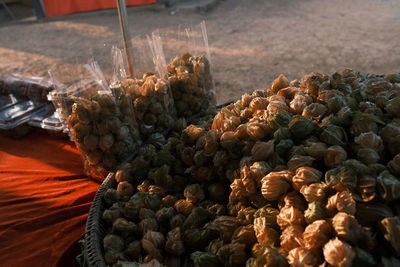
(251,41)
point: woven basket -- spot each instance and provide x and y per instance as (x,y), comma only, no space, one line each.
(95,226)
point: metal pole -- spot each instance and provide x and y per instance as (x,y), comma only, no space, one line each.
(123,22)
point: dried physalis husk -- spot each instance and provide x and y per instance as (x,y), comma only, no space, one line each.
(113,243)
(298,103)
(262,150)
(289,215)
(314,111)
(197,218)
(389,262)
(314,212)
(291,237)
(313,192)
(245,235)
(394,165)
(265,235)
(164,214)
(258,103)
(133,250)
(246,215)
(233,254)
(368,214)
(258,170)
(111,196)
(347,227)
(316,234)
(257,131)
(152,243)
(229,140)
(194,193)
(246,99)
(225,225)
(341,202)
(268,256)
(174,244)
(293,199)
(334,156)
(361,125)
(200,258)
(369,140)
(305,176)
(339,253)
(149,224)
(168,201)
(357,166)
(390,228)
(388,186)
(183,206)
(300,127)
(274,185)
(341,178)
(333,135)
(363,258)
(279,83)
(368,155)
(124,228)
(392,107)
(366,187)
(191,134)
(316,150)
(302,257)
(297,161)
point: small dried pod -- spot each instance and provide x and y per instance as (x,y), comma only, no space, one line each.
(289,215)
(334,156)
(197,239)
(314,111)
(177,221)
(197,218)
(174,244)
(258,103)
(257,131)
(164,214)
(302,257)
(305,176)
(246,215)
(259,169)
(233,254)
(297,161)
(341,202)
(225,225)
(194,193)
(274,185)
(262,150)
(300,127)
(313,192)
(113,243)
(183,206)
(111,196)
(168,201)
(133,250)
(366,187)
(370,213)
(392,107)
(316,150)
(125,189)
(191,134)
(278,84)
(333,135)
(368,155)
(245,235)
(265,217)
(362,125)
(152,242)
(124,228)
(293,199)
(291,237)
(317,234)
(268,256)
(314,212)
(148,224)
(338,253)
(246,99)
(369,140)
(388,186)
(200,259)
(341,178)
(394,165)
(299,103)
(389,262)
(390,228)
(264,234)
(110,215)
(347,227)
(357,166)
(229,140)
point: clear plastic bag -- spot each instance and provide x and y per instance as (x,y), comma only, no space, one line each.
(34,88)
(189,73)
(103,126)
(151,96)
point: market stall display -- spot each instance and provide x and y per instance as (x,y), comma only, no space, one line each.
(303,173)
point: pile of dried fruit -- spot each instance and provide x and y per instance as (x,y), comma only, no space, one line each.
(305,173)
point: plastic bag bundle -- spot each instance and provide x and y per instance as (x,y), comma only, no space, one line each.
(189,73)
(151,96)
(103,126)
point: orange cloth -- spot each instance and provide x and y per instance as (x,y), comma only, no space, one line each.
(44,201)
(55,8)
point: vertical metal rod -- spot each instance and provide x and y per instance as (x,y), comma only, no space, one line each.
(123,22)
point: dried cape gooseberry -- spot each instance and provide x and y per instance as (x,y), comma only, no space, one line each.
(273,186)
(338,253)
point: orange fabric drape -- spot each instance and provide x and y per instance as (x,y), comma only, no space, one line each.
(44,201)
(55,8)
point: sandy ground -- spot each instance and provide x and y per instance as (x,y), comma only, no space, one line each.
(251,41)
